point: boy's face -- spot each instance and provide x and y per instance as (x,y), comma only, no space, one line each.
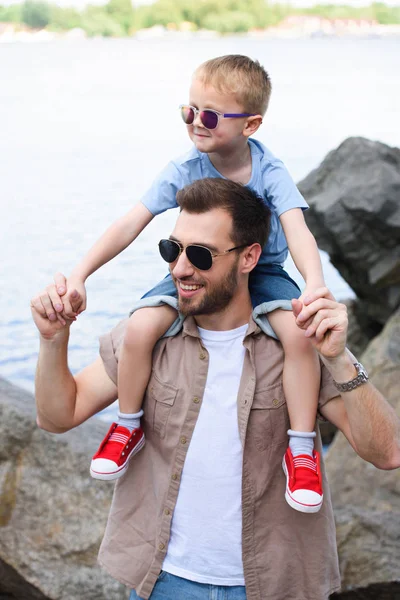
(229,133)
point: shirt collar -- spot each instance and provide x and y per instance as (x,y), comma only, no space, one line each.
(190,328)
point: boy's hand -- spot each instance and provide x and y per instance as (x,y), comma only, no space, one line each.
(311,289)
(324,321)
(73,294)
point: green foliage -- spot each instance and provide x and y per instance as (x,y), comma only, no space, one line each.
(63,19)
(95,21)
(118,18)
(121,11)
(162,12)
(229,22)
(378,11)
(11,14)
(35,14)
(387,15)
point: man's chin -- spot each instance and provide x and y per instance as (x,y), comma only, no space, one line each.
(187,308)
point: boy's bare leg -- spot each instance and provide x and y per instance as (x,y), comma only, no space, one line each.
(145,327)
(125,438)
(301,383)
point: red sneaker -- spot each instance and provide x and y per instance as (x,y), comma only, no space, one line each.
(303,481)
(112,457)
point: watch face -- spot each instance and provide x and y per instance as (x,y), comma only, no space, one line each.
(361,370)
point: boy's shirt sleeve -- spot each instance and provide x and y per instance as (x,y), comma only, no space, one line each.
(280,189)
(162,194)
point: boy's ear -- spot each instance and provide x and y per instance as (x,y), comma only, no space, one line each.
(252,124)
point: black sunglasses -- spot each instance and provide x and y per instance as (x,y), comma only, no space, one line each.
(200,256)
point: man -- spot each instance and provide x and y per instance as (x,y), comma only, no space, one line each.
(198,514)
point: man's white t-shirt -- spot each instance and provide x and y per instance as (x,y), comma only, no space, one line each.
(206,531)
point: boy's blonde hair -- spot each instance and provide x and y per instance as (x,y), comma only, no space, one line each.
(241,76)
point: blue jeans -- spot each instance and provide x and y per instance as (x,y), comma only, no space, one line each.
(266,284)
(171,587)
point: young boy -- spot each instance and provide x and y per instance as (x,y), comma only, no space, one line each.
(227,100)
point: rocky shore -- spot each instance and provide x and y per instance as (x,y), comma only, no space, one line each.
(52,515)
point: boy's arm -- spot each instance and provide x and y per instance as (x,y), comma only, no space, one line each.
(115,239)
(303,248)
(64,401)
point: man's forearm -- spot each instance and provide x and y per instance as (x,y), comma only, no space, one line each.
(54,384)
(374,425)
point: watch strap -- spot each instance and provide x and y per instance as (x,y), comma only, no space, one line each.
(360,379)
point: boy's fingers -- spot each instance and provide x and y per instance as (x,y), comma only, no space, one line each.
(61,283)
(69,311)
(322,292)
(76,301)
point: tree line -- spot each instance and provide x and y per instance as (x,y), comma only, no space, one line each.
(119,18)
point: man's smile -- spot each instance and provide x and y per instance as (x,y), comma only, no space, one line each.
(187,290)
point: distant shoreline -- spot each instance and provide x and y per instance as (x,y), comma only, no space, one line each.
(14,33)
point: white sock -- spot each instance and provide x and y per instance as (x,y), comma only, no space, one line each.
(130,421)
(301,442)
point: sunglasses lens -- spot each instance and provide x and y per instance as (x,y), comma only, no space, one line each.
(200,258)
(187,114)
(209,119)
(169,250)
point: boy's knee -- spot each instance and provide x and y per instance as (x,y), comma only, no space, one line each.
(139,329)
(146,325)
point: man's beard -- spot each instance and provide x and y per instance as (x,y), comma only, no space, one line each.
(216,299)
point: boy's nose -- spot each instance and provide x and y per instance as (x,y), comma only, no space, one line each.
(197,121)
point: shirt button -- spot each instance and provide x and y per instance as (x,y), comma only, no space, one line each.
(202,356)
(275,402)
(161,546)
(167,511)
(196,400)
(183,440)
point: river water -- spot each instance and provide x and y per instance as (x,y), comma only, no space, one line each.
(87,125)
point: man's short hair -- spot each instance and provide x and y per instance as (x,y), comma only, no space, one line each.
(250,214)
(240,76)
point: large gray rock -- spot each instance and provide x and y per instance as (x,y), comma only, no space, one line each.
(354,198)
(52,514)
(367,500)
(376,591)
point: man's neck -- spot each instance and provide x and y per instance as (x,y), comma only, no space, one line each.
(233,163)
(236,314)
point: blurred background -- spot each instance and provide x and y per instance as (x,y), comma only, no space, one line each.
(89,98)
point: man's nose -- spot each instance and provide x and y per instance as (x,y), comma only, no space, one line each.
(182,267)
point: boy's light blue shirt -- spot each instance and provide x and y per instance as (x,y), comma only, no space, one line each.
(269,179)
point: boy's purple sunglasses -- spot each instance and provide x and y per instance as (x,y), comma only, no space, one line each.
(208,117)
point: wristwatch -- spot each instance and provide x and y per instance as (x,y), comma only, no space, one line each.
(360,379)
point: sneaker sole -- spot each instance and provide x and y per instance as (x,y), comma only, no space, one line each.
(304,508)
(117,474)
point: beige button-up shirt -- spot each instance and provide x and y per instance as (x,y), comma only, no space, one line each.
(287,555)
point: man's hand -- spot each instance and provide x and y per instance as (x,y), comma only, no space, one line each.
(47,309)
(324,321)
